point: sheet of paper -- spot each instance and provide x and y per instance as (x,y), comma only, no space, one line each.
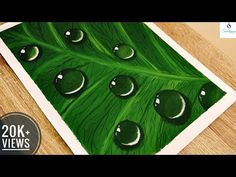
(115,88)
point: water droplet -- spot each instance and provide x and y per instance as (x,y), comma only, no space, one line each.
(170,104)
(29,53)
(128,134)
(70,81)
(209,94)
(123,51)
(123,86)
(74,35)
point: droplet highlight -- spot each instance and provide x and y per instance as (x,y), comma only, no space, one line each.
(74,35)
(123,86)
(123,51)
(29,53)
(128,134)
(209,94)
(70,81)
(170,104)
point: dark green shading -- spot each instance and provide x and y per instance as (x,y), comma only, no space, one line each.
(74,35)
(171,104)
(29,53)
(209,94)
(123,51)
(70,81)
(123,86)
(128,135)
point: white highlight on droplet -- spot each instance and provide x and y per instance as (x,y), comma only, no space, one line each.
(76,90)
(22,51)
(129,92)
(136,140)
(157,100)
(60,76)
(36,54)
(182,109)
(203,93)
(116,48)
(79,39)
(131,55)
(113,83)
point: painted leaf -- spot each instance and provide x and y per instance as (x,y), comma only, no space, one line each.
(118,86)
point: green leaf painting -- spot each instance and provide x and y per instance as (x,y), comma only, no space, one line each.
(118,86)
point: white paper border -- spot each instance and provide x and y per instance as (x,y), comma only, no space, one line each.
(174,147)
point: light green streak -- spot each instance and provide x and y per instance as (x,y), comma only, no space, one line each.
(136,70)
